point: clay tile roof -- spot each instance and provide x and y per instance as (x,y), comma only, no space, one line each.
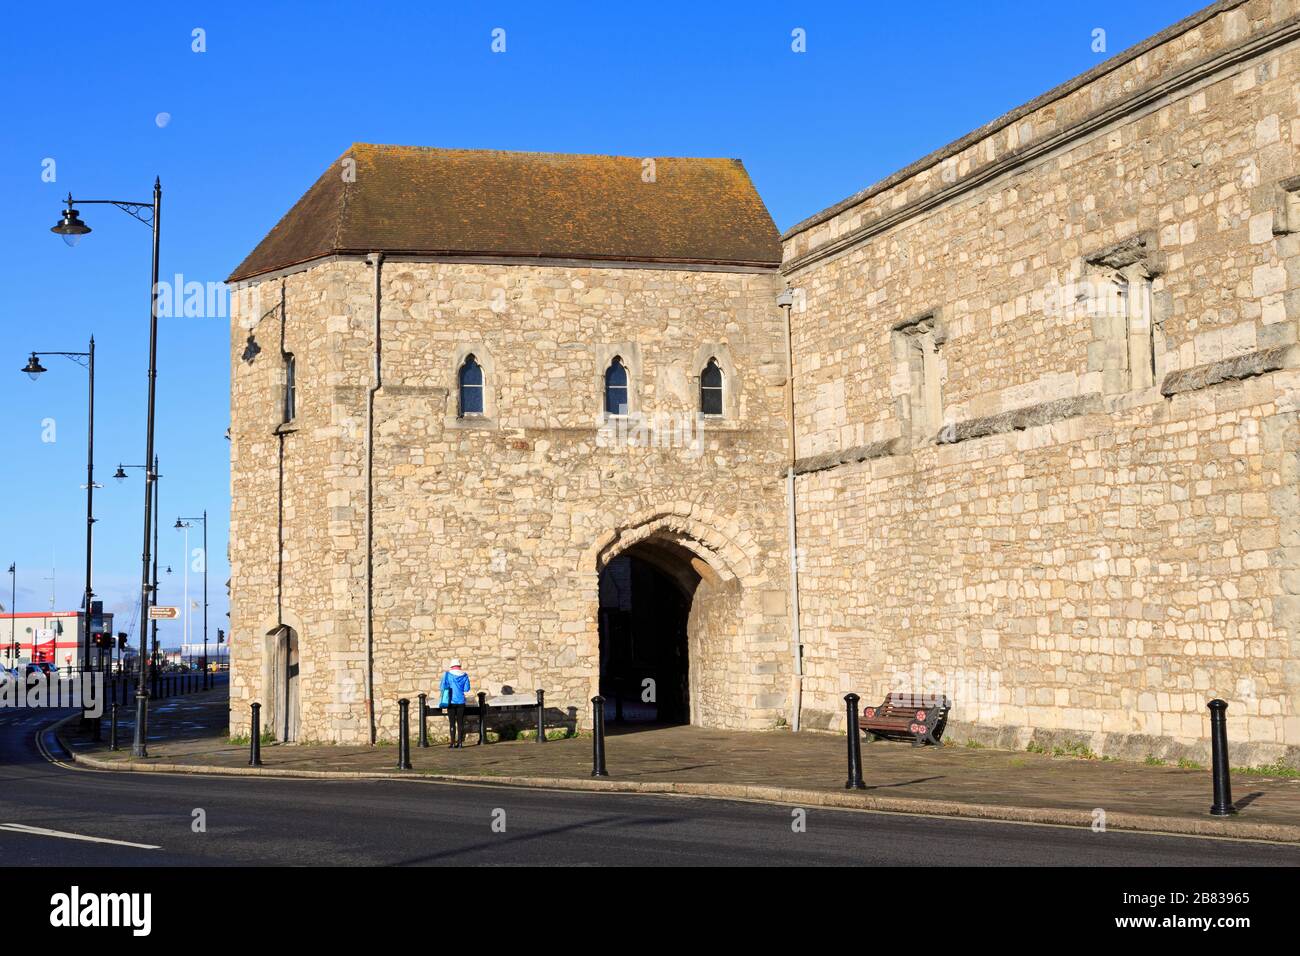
(473,202)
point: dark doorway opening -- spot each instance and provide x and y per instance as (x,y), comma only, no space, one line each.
(645,605)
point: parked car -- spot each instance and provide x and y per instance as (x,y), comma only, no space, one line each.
(42,667)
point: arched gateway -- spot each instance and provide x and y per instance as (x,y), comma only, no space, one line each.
(669,613)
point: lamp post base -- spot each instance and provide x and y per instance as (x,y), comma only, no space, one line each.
(138,746)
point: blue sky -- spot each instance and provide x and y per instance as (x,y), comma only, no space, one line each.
(283,89)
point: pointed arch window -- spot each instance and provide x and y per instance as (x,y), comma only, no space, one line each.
(471,387)
(711,389)
(616,393)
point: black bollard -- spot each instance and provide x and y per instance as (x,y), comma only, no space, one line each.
(1223,805)
(598,737)
(112,728)
(424,726)
(482,718)
(855,744)
(255,738)
(404,734)
(541,716)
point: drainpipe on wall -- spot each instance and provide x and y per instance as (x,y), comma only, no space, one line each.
(279,518)
(375,260)
(786,300)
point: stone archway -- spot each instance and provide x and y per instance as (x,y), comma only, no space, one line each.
(668,619)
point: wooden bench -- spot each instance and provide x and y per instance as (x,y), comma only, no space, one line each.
(498,704)
(915,717)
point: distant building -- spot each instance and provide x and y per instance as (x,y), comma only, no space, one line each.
(52,637)
(217,653)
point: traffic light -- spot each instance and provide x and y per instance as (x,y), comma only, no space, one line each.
(121,640)
(221,636)
(97,639)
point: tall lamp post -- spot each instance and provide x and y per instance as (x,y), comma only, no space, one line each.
(13,607)
(187,523)
(148,626)
(34,370)
(71,228)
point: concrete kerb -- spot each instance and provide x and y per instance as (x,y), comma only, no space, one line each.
(1231,829)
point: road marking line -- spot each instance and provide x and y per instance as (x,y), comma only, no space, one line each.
(42,831)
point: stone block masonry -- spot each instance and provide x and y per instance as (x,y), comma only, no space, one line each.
(489,532)
(1099,536)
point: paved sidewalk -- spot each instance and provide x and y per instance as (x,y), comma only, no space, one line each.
(189,734)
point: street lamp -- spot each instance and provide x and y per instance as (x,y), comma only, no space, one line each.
(34,367)
(13,606)
(34,370)
(151,476)
(186,524)
(71,228)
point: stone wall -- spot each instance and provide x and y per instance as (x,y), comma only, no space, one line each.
(1047,438)
(1042,391)
(489,532)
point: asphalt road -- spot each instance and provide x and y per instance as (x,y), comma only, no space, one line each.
(273,822)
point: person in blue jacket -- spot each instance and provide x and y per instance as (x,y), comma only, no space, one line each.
(455,685)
